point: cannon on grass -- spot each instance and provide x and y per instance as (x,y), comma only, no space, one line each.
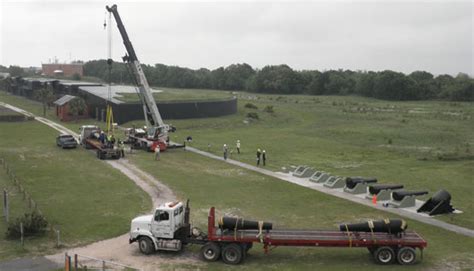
(439,203)
(358,185)
(404,199)
(382,191)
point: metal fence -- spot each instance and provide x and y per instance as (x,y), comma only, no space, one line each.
(30,204)
(83,262)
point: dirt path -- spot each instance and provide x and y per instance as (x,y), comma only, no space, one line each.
(115,249)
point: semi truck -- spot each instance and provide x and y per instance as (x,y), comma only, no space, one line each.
(168,228)
(89,139)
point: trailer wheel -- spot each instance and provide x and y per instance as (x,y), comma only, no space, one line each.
(406,256)
(232,254)
(384,255)
(146,245)
(210,252)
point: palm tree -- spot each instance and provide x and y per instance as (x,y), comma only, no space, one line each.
(77,106)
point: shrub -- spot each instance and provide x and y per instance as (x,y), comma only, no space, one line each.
(268,109)
(251,106)
(252,115)
(33,224)
(390,141)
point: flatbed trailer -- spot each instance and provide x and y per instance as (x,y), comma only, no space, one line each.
(233,244)
(103,152)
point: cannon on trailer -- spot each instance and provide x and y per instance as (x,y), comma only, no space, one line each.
(358,185)
(383,192)
(404,199)
(231,238)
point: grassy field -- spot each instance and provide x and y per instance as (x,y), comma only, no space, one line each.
(175,94)
(232,190)
(81,196)
(423,145)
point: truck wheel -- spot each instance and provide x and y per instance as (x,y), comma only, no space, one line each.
(384,255)
(406,256)
(232,254)
(210,252)
(145,245)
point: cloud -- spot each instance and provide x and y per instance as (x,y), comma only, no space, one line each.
(403,36)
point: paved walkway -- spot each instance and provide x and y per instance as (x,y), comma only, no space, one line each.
(305,182)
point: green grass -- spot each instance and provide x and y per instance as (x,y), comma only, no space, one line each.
(343,135)
(233,190)
(17,207)
(354,136)
(80,195)
(174,94)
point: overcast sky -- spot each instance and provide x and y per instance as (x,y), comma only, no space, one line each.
(359,35)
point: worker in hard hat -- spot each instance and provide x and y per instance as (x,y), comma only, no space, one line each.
(259,153)
(102,137)
(238,146)
(225,149)
(122,148)
(157,152)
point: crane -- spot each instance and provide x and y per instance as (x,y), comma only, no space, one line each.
(157,130)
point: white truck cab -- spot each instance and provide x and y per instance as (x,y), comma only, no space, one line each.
(85,131)
(160,230)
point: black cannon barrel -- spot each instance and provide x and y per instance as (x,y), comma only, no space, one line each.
(376,188)
(351,182)
(235,223)
(393,226)
(439,203)
(399,195)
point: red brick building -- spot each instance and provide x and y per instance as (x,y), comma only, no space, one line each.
(62,69)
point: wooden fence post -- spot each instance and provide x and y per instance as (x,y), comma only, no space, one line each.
(58,238)
(5,205)
(21,233)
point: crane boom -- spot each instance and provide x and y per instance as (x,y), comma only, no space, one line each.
(152,114)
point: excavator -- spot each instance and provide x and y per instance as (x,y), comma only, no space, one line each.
(156,132)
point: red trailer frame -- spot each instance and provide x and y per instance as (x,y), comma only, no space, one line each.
(376,242)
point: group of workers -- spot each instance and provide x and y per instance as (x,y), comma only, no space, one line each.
(261,154)
(109,142)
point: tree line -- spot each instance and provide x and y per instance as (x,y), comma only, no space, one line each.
(388,85)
